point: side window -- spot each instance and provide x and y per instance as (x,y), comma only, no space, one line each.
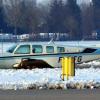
(60,49)
(37,49)
(49,49)
(23,49)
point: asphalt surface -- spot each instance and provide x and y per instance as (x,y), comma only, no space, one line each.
(50,94)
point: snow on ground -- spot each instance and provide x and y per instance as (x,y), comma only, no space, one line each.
(93,63)
(23,79)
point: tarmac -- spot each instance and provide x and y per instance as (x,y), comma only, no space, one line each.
(71,94)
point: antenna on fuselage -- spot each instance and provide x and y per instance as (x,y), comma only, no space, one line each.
(52,40)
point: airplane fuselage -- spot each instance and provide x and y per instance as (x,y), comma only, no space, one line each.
(44,55)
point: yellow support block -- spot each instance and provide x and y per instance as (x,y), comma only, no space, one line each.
(66,64)
(71,67)
(68,67)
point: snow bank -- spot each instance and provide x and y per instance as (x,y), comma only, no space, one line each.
(48,78)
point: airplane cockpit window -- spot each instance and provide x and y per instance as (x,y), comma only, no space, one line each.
(23,49)
(37,49)
(49,49)
(11,50)
(60,49)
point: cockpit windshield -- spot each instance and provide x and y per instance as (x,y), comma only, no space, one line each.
(11,50)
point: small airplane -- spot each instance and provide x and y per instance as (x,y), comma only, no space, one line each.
(30,55)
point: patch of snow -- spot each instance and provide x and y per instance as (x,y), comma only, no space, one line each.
(93,63)
(23,79)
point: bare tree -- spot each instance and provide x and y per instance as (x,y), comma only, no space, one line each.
(32,17)
(23,14)
(13,14)
(87,20)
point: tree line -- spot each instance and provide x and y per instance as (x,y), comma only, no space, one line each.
(25,16)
